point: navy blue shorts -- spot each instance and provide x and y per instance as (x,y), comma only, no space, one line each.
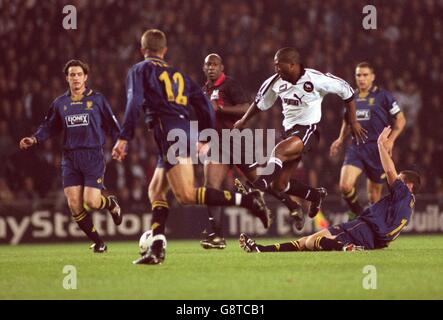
(85,167)
(356,231)
(367,158)
(178,144)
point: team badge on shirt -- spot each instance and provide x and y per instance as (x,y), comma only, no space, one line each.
(89,105)
(308,86)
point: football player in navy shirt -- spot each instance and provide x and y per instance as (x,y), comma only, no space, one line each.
(83,116)
(376,108)
(375,228)
(165,95)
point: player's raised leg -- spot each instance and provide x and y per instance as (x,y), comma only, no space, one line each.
(181,181)
(95,200)
(348,179)
(279,188)
(74,195)
(286,150)
(92,164)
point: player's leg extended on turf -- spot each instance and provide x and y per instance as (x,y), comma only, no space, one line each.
(319,241)
(374,191)
(348,179)
(323,241)
(181,181)
(74,195)
(295,245)
(158,189)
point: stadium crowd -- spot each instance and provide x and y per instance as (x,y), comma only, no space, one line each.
(329,34)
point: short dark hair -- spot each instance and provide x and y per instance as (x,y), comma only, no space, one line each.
(289,55)
(153,40)
(76,63)
(365,64)
(414,178)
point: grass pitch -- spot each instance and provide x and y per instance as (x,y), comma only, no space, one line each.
(412,268)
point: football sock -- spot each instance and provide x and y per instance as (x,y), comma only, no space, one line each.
(274,165)
(281,247)
(105,203)
(284,198)
(160,211)
(216,220)
(326,244)
(84,221)
(214,197)
(303,191)
(351,199)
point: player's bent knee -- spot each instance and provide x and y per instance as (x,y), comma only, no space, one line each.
(75,207)
(92,203)
(345,188)
(156,195)
(302,243)
(309,243)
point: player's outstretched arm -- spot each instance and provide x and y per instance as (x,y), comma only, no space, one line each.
(236,110)
(398,125)
(386,160)
(252,111)
(336,145)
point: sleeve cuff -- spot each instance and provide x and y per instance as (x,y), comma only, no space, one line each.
(349,99)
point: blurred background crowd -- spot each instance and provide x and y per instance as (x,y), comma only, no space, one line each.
(406,50)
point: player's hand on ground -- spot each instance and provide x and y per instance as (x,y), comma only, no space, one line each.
(383,137)
(359,133)
(27,142)
(119,151)
(335,146)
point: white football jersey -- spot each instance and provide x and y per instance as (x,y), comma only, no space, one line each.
(302,101)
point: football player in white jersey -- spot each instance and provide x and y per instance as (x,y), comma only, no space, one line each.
(301,91)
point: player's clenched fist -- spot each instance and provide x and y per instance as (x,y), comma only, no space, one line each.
(27,142)
(119,151)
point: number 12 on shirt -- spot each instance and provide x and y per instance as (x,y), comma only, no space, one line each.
(180,82)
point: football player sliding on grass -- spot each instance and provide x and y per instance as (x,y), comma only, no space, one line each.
(378,225)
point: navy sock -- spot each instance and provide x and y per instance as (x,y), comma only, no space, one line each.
(84,221)
(160,211)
